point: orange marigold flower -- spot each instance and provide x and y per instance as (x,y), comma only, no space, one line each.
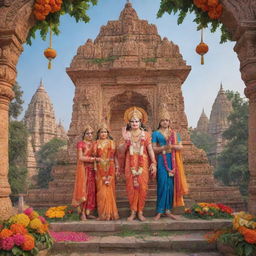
(213,3)
(249,236)
(29,243)
(18,229)
(215,13)
(5,233)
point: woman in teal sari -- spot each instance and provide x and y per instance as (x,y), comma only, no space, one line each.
(171,181)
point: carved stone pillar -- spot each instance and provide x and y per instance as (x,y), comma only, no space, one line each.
(10,49)
(246,50)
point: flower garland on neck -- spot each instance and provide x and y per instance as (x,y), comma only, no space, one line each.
(136,170)
(170,141)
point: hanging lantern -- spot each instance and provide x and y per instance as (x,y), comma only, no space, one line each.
(202,48)
(50,53)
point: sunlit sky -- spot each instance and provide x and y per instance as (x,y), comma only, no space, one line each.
(199,90)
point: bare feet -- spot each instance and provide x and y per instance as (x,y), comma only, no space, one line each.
(168,214)
(132,216)
(141,217)
(89,216)
(82,217)
(157,217)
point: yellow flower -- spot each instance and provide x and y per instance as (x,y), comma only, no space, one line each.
(60,214)
(197,210)
(35,223)
(205,209)
(21,218)
(34,215)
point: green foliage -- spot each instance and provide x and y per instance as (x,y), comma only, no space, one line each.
(150,60)
(203,140)
(236,241)
(46,158)
(15,107)
(102,60)
(17,174)
(75,8)
(184,7)
(232,168)
(208,211)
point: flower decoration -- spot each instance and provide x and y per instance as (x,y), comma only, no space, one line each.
(24,234)
(208,211)
(241,237)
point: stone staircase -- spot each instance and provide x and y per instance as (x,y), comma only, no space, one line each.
(182,237)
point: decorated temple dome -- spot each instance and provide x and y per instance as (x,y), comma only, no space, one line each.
(221,109)
(203,122)
(127,43)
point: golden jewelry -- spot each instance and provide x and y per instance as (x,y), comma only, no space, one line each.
(135,112)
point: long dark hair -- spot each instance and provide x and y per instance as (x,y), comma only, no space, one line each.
(142,127)
(85,131)
(98,134)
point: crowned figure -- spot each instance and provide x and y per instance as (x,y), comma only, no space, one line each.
(171,180)
(138,160)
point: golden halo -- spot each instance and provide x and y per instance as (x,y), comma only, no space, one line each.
(135,112)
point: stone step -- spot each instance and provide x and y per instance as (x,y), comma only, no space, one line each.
(172,242)
(164,224)
(208,253)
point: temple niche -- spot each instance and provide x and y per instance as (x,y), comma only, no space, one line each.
(130,64)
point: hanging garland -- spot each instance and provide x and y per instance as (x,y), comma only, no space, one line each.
(47,14)
(207,12)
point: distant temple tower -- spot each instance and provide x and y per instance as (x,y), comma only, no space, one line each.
(41,124)
(221,109)
(203,122)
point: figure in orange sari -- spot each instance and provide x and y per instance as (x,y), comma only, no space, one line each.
(105,175)
(171,179)
(139,160)
(84,195)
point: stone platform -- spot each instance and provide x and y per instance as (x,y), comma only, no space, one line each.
(182,237)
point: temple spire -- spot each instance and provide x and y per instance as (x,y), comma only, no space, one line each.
(41,83)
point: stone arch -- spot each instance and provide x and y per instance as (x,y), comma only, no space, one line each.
(239,17)
(119,103)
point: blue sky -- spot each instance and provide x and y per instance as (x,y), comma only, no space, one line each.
(199,90)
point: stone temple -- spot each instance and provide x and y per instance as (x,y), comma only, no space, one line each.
(218,123)
(130,64)
(42,126)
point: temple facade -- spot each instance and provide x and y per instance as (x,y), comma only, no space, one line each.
(42,127)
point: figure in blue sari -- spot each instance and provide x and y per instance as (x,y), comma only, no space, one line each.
(171,181)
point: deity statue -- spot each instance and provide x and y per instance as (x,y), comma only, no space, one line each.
(138,160)
(171,180)
(84,195)
(106,169)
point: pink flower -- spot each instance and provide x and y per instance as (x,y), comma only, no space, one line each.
(42,219)
(7,243)
(28,211)
(18,239)
(69,236)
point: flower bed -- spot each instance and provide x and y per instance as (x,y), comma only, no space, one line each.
(208,211)
(61,213)
(241,237)
(24,234)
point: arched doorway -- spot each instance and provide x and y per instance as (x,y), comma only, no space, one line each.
(119,103)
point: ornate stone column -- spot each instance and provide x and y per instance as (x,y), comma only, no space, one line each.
(15,22)
(239,17)
(246,50)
